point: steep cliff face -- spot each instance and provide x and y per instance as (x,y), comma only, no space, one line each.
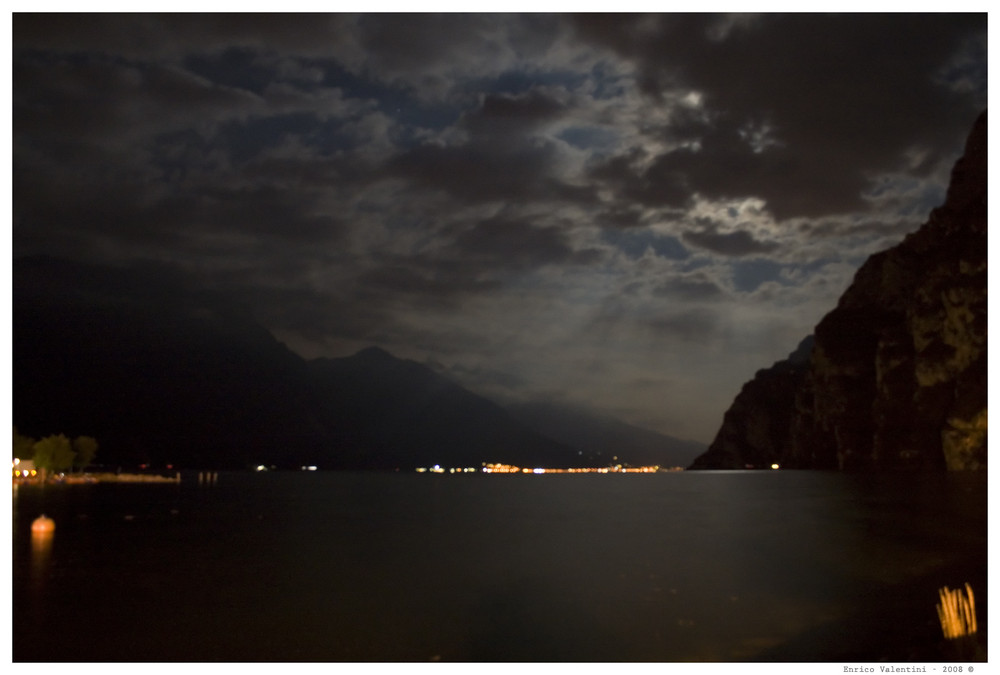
(896,378)
(757,430)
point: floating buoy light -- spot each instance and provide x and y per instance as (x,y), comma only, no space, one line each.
(43,525)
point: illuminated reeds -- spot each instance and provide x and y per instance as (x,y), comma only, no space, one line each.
(957,612)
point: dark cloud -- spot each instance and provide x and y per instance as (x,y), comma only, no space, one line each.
(861,227)
(187,214)
(662,187)
(794,180)
(439,284)
(95,100)
(843,96)
(504,114)
(690,325)
(306,172)
(694,287)
(416,43)
(513,243)
(485,173)
(256,211)
(436,54)
(635,244)
(620,216)
(738,243)
(502,160)
(170,35)
(749,275)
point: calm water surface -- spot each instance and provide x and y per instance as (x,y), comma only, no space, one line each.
(772,566)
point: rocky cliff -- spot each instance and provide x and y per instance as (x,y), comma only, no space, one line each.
(896,374)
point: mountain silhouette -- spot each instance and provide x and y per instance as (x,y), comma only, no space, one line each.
(162,373)
(605,440)
(157,372)
(894,377)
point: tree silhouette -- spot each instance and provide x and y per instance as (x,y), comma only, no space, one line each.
(24,446)
(86,449)
(53,453)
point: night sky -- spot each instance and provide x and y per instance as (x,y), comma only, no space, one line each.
(633,213)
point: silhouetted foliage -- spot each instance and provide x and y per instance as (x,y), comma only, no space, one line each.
(24,446)
(54,453)
(86,449)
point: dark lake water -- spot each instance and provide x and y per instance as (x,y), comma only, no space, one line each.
(313,566)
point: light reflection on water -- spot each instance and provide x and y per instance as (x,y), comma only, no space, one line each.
(386,567)
(41,554)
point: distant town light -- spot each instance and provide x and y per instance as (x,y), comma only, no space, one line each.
(510,468)
(775,466)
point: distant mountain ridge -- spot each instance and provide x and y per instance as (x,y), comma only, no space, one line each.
(896,377)
(158,373)
(401,413)
(607,440)
(164,374)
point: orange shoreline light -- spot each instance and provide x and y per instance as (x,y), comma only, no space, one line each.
(509,468)
(43,525)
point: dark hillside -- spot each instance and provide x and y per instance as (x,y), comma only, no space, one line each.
(162,374)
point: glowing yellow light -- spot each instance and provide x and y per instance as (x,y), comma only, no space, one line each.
(774,466)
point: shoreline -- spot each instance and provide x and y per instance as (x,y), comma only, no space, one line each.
(104,477)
